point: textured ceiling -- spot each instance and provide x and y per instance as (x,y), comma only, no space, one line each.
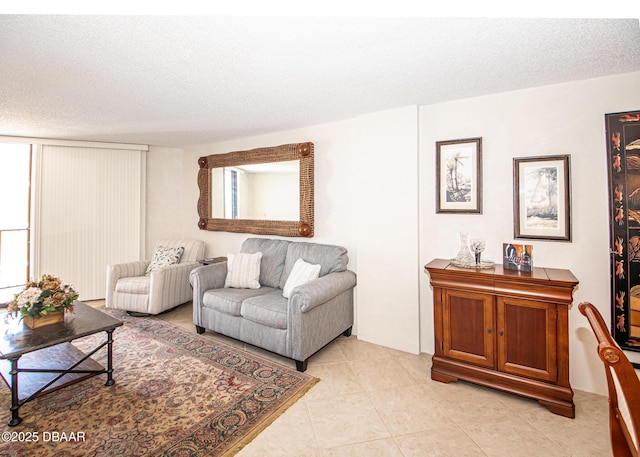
(180,80)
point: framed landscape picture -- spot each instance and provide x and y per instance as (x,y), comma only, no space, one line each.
(459,176)
(542,198)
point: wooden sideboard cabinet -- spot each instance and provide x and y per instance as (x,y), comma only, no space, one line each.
(504,329)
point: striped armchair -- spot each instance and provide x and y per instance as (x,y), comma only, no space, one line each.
(131,287)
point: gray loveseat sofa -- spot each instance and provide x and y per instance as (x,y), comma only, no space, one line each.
(315,313)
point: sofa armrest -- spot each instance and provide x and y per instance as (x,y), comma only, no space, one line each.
(123,270)
(202,279)
(308,296)
(208,276)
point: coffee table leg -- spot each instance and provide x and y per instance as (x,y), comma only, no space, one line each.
(15,401)
(110,380)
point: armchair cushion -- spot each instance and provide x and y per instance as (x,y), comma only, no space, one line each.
(302,273)
(163,256)
(134,285)
(243,271)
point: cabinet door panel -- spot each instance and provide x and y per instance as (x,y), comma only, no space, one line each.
(527,338)
(468,327)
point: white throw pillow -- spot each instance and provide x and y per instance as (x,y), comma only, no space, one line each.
(163,257)
(243,271)
(301,273)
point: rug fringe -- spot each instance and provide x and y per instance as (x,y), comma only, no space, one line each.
(269,420)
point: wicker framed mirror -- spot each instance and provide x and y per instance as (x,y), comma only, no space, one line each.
(245,191)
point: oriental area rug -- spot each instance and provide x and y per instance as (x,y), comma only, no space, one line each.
(176,394)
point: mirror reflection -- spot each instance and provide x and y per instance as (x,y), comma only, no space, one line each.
(265,191)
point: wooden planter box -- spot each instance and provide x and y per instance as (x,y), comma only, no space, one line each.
(51,318)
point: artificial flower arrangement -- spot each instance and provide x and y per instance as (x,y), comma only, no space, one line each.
(41,297)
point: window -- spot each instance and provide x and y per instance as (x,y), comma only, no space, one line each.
(231,193)
(15,227)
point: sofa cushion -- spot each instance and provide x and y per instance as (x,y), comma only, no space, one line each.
(301,273)
(243,271)
(268,309)
(330,258)
(163,256)
(274,253)
(134,285)
(229,301)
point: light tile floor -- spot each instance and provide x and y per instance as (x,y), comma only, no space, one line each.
(374,401)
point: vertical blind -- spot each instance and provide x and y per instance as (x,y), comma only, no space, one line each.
(89,213)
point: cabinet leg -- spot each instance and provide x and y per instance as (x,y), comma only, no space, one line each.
(568,410)
(441,377)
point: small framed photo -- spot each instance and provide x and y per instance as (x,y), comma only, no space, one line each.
(459,176)
(517,257)
(542,198)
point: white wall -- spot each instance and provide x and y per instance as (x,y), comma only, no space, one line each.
(560,119)
(360,203)
(334,220)
(387,216)
(352,154)
(165,203)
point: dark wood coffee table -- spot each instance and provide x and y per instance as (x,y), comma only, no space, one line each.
(48,360)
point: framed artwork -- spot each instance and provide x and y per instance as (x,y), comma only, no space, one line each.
(459,176)
(623,165)
(542,198)
(517,257)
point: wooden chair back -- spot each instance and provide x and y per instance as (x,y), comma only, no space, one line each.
(623,385)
